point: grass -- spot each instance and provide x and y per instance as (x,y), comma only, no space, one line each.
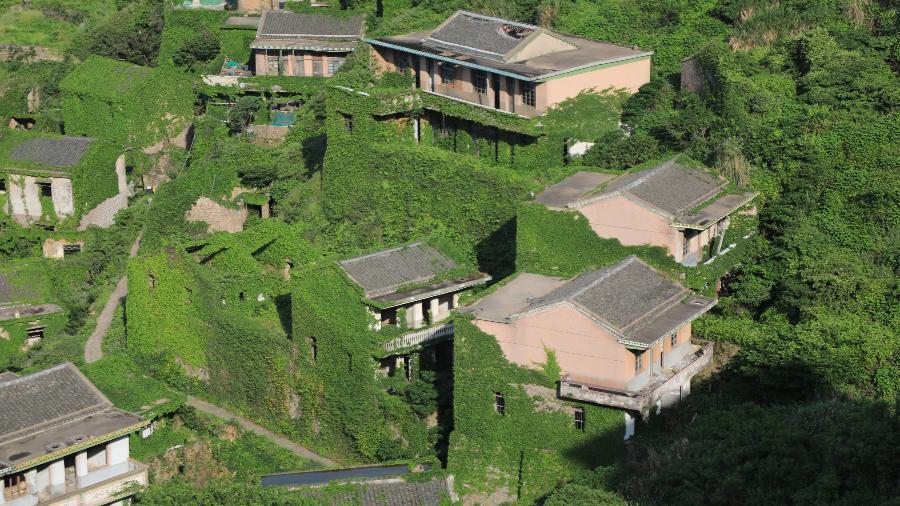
(53,24)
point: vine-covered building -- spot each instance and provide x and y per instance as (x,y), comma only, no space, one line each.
(417,279)
(62,442)
(621,335)
(509,66)
(683,209)
(50,179)
(26,317)
(290,44)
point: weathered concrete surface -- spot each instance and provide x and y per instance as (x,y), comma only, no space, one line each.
(217,217)
(104,214)
(262,431)
(93,349)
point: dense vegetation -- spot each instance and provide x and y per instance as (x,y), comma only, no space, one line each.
(797,99)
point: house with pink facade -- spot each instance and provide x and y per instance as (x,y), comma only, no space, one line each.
(291,44)
(509,66)
(621,335)
(683,209)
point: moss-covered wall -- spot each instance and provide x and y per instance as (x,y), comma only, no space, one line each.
(14,332)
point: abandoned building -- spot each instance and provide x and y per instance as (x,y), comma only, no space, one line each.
(683,209)
(416,279)
(63,443)
(41,176)
(290,44)
(25,316)
(621,335)
(508,66)
(230,214)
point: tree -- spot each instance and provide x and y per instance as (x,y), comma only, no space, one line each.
(202,47)
(240,115)
(133,34)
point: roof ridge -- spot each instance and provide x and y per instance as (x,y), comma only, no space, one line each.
(606,273)
(494,18)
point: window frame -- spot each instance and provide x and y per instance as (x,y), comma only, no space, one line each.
(529,93)
(638,362)
(673,340)
(580,421)
(446,70)
(480,77)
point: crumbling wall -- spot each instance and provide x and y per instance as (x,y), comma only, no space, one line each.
(218,217)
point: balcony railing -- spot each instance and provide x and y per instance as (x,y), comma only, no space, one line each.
(669,381)
(101,486)
(421,337)
(485,100)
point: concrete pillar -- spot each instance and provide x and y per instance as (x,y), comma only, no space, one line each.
(57,473)
(31,478)
(81,467)
(414,315)
(455,303)
(117,451)
(289,71)
(444,310)
(685,389)
(434,310)
(629,426)
(2,491)
(307,64)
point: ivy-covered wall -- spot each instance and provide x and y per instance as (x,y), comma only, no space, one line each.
(93,177)
(14,332)
(534,446)
(126,104)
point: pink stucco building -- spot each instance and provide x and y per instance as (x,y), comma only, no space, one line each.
(683,209)
(509,66)
(622,335)
(290,44)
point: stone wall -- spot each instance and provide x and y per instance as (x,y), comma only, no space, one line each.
(692,78)
(217,217)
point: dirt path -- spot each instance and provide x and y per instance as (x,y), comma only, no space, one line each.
(256,429)
(93,349)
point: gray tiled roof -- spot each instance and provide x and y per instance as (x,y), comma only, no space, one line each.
(392,493)
(670,187)
(479,35)
(45,398)
(631,299)
(54,151)
(282,25)
(385,271)
(620,295)
(572,188)
(52,411)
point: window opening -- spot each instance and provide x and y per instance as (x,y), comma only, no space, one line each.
(579,419)
(2,185)
(45,189)
(499,403)
(479,81)
(673,339)
(528,95)
(448,75)
(348,123)
(313,348)
(638,362)
(36,333)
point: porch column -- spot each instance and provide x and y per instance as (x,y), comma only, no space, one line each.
(434,310)
(414,315)
(444,306)
(2,491)
(57,473)
(455,303)
(117,451)
(629,426)
(307,64)
(81,467)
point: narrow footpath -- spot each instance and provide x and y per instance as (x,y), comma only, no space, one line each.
(262,431)
(93,349)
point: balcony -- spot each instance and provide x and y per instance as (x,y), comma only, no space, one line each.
(420,338)
(103,485)
(663,388)
(485,100)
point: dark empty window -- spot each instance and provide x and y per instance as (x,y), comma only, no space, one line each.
(14,486)
(499,403)
(407,368)
(2,184)
(313,348)
(242,296)
(448,75)
(673,339)
(479,81)
(151,280)
(350,362)
(45,189)
(36,333)
(579,419)
(348,123)
(70,249)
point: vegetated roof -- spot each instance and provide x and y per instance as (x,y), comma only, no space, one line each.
(13,290)
(528,51)
(104,77)
(280,29)
(572,188)
(385,271)
(242,21)
(388,493)
(64,151)
(631,299)
(51,410)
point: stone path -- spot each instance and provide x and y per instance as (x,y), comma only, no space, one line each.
(281,441)
(93,350)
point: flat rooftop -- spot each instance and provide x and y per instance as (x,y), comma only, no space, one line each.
(572,189)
